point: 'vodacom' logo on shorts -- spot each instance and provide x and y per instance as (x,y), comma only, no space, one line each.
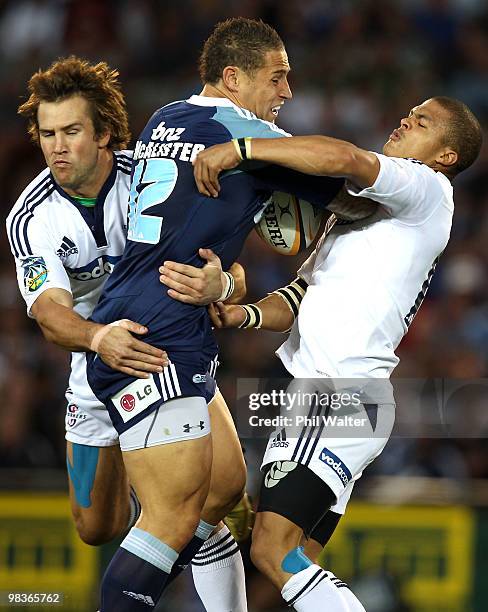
(337,465)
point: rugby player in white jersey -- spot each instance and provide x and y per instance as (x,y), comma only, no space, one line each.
(67,230)
(355,298)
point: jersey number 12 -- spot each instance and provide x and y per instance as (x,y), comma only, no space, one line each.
(152,183)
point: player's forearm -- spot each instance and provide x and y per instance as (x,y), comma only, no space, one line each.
(276,316)
(278,310)
(319,155)
(240,288)
(64,327)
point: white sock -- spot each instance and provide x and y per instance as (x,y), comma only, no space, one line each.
(311,590)
(352,601)
(218,574)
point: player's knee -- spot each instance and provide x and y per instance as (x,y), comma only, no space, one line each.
(273,537)
(176,529)
(236,489)
(220,502)
(237,485)
(225,493)
(96,531)
(93,534)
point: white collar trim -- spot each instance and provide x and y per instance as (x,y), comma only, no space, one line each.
(206,101)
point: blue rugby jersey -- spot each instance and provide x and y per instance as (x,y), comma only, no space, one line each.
(169,219)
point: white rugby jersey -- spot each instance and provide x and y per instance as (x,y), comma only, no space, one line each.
(59,243)
(367,279)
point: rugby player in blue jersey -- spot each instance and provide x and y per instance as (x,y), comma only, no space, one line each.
(177,418)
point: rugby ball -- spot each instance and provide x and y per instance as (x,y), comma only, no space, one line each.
(289,225)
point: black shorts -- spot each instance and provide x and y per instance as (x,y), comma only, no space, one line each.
(299,495)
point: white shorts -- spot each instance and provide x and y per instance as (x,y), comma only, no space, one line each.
(336,449)
(87,420)
(177,420)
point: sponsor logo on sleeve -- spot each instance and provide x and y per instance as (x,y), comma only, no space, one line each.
(35,272)
(340,468)
(135,398)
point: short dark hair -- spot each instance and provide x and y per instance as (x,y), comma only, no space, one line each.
(98,84)
(463,133)
(237,42)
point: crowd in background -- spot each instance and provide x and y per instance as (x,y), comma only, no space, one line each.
(358,66)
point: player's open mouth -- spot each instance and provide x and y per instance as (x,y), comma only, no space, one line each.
(276,109)
(395,135)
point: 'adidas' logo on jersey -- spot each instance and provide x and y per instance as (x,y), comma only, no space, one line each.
(280,440)
(67,248)
(147,599)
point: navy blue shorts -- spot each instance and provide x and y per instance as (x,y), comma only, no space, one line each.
(129,399)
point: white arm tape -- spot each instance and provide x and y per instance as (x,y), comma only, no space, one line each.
(254,316)
(98,336)
(293,294)
(228,288)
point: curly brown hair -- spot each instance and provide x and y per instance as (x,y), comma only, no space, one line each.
(237,42)
(98,84)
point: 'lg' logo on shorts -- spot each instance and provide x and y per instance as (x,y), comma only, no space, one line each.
(128,401)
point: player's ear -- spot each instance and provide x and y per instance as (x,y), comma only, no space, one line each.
(447,157)
(104,139)
(230,78)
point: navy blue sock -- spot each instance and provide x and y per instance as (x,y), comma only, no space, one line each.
(186,555)
(136,576)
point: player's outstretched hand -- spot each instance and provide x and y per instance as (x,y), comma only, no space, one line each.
(198,286)
(118,348)
(210,162)
(223,315)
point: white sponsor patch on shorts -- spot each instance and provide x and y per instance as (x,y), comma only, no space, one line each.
(135,398)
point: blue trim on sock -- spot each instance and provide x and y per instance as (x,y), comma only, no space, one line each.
(295,561)
(204,530)
(82,472)
(146,546)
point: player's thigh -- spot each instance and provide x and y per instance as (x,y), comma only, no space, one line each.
(168,453)
(169,477)
(228,466)
(99,491)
